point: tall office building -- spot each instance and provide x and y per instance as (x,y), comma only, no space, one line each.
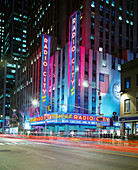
(106,25)
(1,29)
(14,48)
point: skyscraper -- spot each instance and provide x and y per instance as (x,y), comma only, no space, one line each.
(106,25)
(1,29)
(14,47)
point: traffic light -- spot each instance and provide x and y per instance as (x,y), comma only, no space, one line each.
(111,121)
(100,97)
(115,118)
(48,108)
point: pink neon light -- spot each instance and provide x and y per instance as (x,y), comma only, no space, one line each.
(45,64)
(73,49)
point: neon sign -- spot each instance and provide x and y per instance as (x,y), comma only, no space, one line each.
(74,31)
(44,73)
(73,50)
(70,117)
(45,65)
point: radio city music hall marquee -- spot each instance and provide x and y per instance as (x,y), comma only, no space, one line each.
(69,118)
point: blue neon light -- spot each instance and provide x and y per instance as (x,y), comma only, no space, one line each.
(44,73)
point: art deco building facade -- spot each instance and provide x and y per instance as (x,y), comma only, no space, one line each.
(103,36)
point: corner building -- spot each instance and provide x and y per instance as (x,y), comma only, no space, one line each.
(129,99)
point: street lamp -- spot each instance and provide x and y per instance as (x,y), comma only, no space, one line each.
(86,84)
(35,102)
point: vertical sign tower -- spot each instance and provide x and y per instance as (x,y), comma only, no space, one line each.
(74,38)
(45,73)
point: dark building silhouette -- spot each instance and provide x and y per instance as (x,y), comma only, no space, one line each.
(13,49)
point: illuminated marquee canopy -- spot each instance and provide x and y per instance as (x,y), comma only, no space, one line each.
(69,118)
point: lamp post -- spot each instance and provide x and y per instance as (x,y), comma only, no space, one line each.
(86,84)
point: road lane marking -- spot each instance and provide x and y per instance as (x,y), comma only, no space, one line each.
(112,153)
(31,151)
(2,144)
(8,143)
(45,156)
(96,151)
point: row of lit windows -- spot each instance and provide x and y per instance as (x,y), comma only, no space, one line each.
(1,30)
(39,17)
(12,65)
(127,21)
(1,27)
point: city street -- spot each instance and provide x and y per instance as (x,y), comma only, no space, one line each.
(19,154)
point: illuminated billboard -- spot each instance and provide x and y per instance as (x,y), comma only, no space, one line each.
(74,37)
(44,73)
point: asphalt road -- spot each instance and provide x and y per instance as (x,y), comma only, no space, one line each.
(16,154)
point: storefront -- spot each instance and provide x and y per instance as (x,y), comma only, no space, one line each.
(129,125)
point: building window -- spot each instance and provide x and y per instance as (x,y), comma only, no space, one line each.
(127,82)
(137,80)
(136,104)
(127,105)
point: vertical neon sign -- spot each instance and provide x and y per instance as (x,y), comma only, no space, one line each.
(45,73)
(74,37)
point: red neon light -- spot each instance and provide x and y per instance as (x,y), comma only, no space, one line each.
(83,117)
(91,118)
(76,117)
(45,64)
(97,119)
(39,118)
(73,48)
(107,119)
(73,34)
(44,91)
(74,20)
(73,60)
(44,73)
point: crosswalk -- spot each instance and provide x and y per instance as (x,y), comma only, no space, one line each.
(23,143)
(15,143)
